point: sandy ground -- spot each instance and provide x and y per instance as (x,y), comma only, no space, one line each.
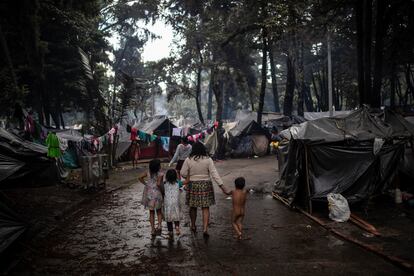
(110,235)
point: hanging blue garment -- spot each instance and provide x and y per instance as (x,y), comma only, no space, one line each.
(165,142)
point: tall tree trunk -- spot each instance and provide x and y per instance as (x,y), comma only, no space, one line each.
(274,80)
(379,45)
(301,90)
(218,93)
(409,83)
(360,52)
(6,54)
(367,30)
(210,98)
(392,84)
(198,95)
(264,76)
(290,86)
(315,88)
(198,90)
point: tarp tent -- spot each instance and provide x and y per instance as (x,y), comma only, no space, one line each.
(11,227)
(355,155)
(160,127)
(246,138)
(20,158)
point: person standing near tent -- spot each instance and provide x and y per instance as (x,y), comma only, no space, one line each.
(200,173)
(135,152)
(182,152)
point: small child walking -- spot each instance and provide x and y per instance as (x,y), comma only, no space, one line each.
(152,196)
(239,196)
(172,206)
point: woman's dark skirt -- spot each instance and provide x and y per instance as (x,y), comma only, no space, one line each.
(200,194)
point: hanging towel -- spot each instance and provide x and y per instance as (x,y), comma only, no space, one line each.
(165,141)
(177,132)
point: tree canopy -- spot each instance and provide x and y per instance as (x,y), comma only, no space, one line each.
(228,55)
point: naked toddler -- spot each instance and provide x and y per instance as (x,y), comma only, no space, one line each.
(239,201)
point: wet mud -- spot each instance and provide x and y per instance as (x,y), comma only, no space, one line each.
(111,236)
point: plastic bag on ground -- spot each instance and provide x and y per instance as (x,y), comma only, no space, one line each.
(338,207)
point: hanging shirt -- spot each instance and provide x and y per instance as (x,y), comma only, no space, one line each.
(53,148)
(176,132)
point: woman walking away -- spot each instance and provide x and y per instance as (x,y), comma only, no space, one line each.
(152,197)
(182,152)
(172,206)
(200,171)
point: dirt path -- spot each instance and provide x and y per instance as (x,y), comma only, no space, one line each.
(111,236)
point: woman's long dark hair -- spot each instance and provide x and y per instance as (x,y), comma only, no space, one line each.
(198,151)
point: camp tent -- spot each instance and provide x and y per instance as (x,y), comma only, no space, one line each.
(355,155)
(246,138)
(24,159)
(160,127)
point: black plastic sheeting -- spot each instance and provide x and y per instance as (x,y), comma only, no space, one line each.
(338,154)
(11,227)
(24,159)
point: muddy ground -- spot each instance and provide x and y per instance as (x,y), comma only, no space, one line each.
(110,235)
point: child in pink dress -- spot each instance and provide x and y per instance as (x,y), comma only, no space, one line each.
(152,196)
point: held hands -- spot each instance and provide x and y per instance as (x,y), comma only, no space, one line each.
(224,190)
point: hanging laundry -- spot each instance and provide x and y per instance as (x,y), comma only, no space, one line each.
(133,134)
(153,137)
(111,135)
(186,131)
(165,142)
(176,132)
(63,143)
(29,125)
(142,136)
(52,142)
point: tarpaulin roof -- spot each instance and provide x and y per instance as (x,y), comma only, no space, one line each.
(157,126)
(247,127)
(70,135)
(310,116)
(342,155)
(359,125)
(11,227)
(19,158)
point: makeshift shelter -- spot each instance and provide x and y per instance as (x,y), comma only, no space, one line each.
(161,127)
(355,155)
(247,138)
(11,227)
(24,159)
